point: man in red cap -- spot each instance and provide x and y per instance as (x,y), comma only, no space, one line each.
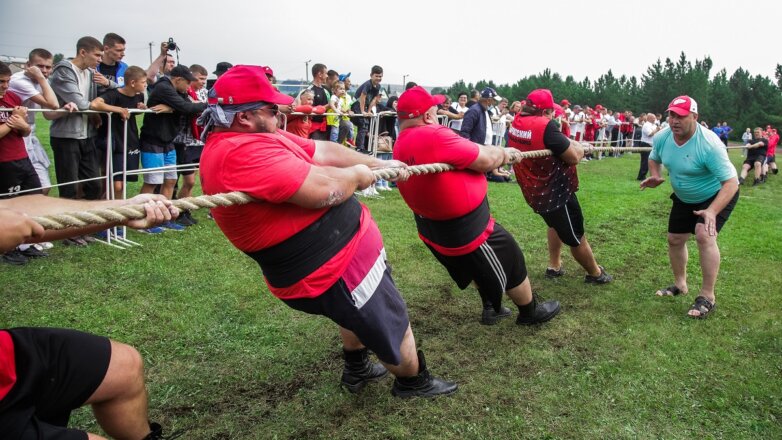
(705,190)
(565,104)
(319,248)
(452,211)
(549,184)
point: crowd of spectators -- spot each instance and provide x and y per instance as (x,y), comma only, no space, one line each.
(96,78)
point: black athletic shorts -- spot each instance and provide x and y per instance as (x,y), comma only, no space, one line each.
(18,175)
(771,159)
(496,266)
(752,158)
(57,371)
(567,221)
(374,311)
(117,159)
(188,154)
(683,221)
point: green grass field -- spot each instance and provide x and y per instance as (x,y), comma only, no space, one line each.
(226,360)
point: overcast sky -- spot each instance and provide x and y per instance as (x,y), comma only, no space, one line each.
(432,42)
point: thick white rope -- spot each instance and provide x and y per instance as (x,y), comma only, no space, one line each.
(132,212)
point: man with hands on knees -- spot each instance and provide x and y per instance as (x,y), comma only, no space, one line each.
(705,191)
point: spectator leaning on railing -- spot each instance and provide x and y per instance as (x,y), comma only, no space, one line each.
(319,129)
(160,130)
(16,171)
(119,101)
(33,89)
(73,135)
(367,96)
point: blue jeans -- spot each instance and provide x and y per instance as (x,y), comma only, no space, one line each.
(333,133)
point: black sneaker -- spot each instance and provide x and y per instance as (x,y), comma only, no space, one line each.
(359,370)
(537,312)
(603,278)
(756,182)
(554,273)
(422,385)
(741,180)
(490,317)
(156,433)
(33,252)
(74,241)
(775,171)
(15,257)
(184,219)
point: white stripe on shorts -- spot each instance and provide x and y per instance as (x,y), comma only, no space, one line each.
(367,287)
(567,214)
(494,262)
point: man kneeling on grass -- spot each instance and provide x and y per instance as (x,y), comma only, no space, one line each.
(319,248)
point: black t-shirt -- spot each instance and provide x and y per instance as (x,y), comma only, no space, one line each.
(370,90)
(115,98)
(321,98)
(760,151)
(109,72)
(554,140)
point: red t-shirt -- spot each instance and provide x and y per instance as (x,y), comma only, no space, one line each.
(299,125)
(272,167)
(773,140)
(12,144)
(442,196)
(7,364)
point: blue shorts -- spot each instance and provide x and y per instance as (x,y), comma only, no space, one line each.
(157,160)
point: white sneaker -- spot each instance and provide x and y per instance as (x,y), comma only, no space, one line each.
(370,192)
(45,245)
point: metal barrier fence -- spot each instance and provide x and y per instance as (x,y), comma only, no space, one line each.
(108,174)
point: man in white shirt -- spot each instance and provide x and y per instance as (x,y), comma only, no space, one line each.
(33,89)
(648,130)
(577,123)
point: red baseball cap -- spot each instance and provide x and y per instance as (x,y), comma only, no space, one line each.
(683,106)
(541,99)
(558,110)
(268,70)
(564,102)
(598,107)
(244,84)
(415,102)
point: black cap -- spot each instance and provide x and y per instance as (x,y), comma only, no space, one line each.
(222,67)
(180,71)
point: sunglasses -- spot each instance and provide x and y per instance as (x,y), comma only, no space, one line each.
(273,110)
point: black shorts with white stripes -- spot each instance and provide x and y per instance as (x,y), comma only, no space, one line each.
(567,221)
(496,266)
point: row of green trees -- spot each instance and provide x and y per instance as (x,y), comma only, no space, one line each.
(740,99)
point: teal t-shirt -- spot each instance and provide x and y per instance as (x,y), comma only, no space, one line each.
(697,168)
